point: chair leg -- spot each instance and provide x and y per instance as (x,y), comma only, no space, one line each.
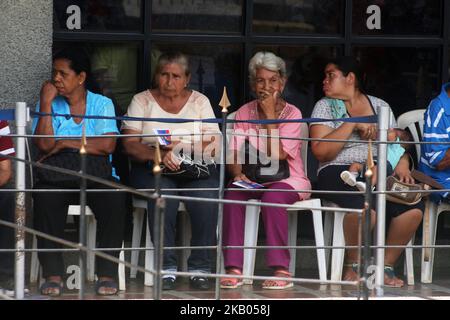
(318,233)
(121,271)
(292,236)
(250,239)
(427,266)
(91,243)
(328,235)
(138,221)
(149,259)
(34,272)
(409,262)
(338,241)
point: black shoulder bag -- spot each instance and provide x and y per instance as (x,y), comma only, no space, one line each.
(190,169)
(261,173)
(69,158)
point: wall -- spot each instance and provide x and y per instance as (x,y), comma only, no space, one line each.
(25,49)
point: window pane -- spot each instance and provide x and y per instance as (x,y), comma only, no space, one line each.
(406,78)
(211,70)
(93,15)
(398,17)
(310,16)
(114,70)
(305,67)
(197,16)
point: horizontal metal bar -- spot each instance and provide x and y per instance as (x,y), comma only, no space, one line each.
(293,279)
(228,247)
(72,36)
(260,204)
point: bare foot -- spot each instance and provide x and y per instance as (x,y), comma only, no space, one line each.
(349,274)
(390,280)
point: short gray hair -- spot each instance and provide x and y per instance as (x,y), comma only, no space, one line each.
(266,60)
(173,57)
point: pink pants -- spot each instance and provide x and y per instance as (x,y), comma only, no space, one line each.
(275,224)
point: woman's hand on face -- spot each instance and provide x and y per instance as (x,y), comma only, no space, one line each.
(242,177)
(268,102)
(48,91)
(171,162)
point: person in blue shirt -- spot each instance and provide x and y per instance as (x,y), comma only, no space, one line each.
(435,158)
(67,93)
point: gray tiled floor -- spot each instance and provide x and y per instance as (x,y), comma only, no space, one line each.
(440,289)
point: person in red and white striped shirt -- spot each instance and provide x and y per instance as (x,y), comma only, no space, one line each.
(6,212)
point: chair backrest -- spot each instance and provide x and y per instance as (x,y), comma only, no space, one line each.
(304,133)
(413,120)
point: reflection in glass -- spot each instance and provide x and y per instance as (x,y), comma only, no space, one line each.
(399,17)
(117,15)
(406,78)
(211,69)
(305,67)
(197,16)
(308,16)
(114,70)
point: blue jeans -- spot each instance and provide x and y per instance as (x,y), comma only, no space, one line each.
(203,215)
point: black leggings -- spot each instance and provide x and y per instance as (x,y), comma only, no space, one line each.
(50,214)
(7,235)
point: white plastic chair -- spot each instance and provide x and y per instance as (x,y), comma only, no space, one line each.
(139,211)
(416,120)
(411,120)
(428,254)
(252,220)
(91,231)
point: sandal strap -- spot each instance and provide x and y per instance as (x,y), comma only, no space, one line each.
(282,273)
(235,271)
(389,271)
(231,280)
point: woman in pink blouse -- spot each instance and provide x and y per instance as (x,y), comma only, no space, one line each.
(267,74)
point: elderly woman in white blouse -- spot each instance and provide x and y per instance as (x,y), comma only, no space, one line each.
(172,98)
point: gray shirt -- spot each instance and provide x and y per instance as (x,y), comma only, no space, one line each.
(352,151)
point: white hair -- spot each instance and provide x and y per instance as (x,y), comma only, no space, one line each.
(265,60)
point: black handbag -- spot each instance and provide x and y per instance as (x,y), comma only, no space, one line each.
(260,173)
(190,169)
(69,158)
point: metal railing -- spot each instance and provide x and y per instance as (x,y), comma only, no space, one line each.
(22,116)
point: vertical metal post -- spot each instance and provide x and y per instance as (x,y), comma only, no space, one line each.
(20,214)
(367,221)
(224,103)
(82,226)
(383,124)
(158,228)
